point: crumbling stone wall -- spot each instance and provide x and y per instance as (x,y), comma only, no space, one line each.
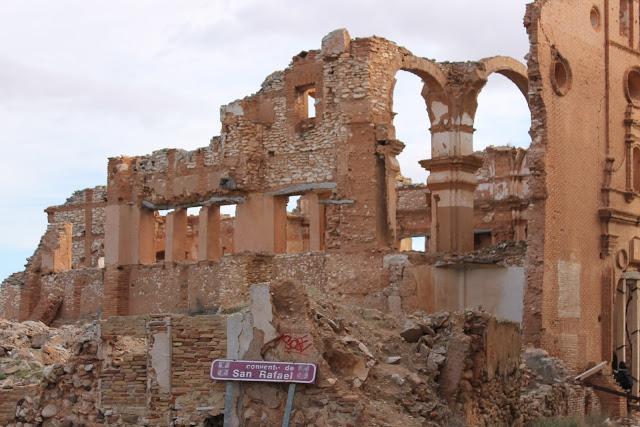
(137,370)
(573,194)
(341,160)
(85,211)
(64,263)
(10,294)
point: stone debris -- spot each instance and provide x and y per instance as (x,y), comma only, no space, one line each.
(504,253)
(27,348)
(442,369)
(323,129)
(461,368)
(41,382)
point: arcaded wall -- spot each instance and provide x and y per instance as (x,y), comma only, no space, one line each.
(273,146)
(341,159)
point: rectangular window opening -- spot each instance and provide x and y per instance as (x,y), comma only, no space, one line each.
(193,234)
(414,244)
(227,224)
(297,227)
(482,239)
(191,240)
(306,101)
(293,205)
(160,233)
(625,17)
(311,103)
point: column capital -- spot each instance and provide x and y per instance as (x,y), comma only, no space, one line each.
(456,102)
(470,163)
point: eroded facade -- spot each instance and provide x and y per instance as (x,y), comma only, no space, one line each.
(310,164)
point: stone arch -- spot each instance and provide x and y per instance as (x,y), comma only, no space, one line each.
(431,75)
(435,81)
(509,67)
(429,71)
(516,72)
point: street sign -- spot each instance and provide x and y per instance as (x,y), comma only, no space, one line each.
(263,371)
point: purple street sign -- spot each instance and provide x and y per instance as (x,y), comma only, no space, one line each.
(260,370)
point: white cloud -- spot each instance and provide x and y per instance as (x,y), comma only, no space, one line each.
(81,81)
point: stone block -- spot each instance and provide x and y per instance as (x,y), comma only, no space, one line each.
(336,43)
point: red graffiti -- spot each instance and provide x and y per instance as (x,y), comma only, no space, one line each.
(295,344)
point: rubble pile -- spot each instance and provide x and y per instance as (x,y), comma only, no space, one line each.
(548,389)
(425,370)
(450,376)
(504,253)
(53,368)
(373,369)
(26,348)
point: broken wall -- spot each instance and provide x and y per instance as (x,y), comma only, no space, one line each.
(10,295)
(155,369)
(85,211)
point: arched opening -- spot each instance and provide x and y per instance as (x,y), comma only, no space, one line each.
(594,17)
(633,85)
(503,116)
(502,124)
(412,126)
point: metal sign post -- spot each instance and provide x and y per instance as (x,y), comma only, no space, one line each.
(262,371)
(228,404)
(289,407)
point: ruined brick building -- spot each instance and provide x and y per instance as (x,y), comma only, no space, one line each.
(323,130)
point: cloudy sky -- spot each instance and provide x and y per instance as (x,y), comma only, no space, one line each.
(84,80)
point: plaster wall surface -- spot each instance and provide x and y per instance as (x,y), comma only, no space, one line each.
(496,290)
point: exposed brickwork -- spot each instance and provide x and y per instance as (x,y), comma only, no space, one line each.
(156,368)
(573,195)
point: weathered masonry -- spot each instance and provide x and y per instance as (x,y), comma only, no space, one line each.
(320,135)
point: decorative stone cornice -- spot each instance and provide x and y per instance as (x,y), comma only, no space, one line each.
(469,163)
